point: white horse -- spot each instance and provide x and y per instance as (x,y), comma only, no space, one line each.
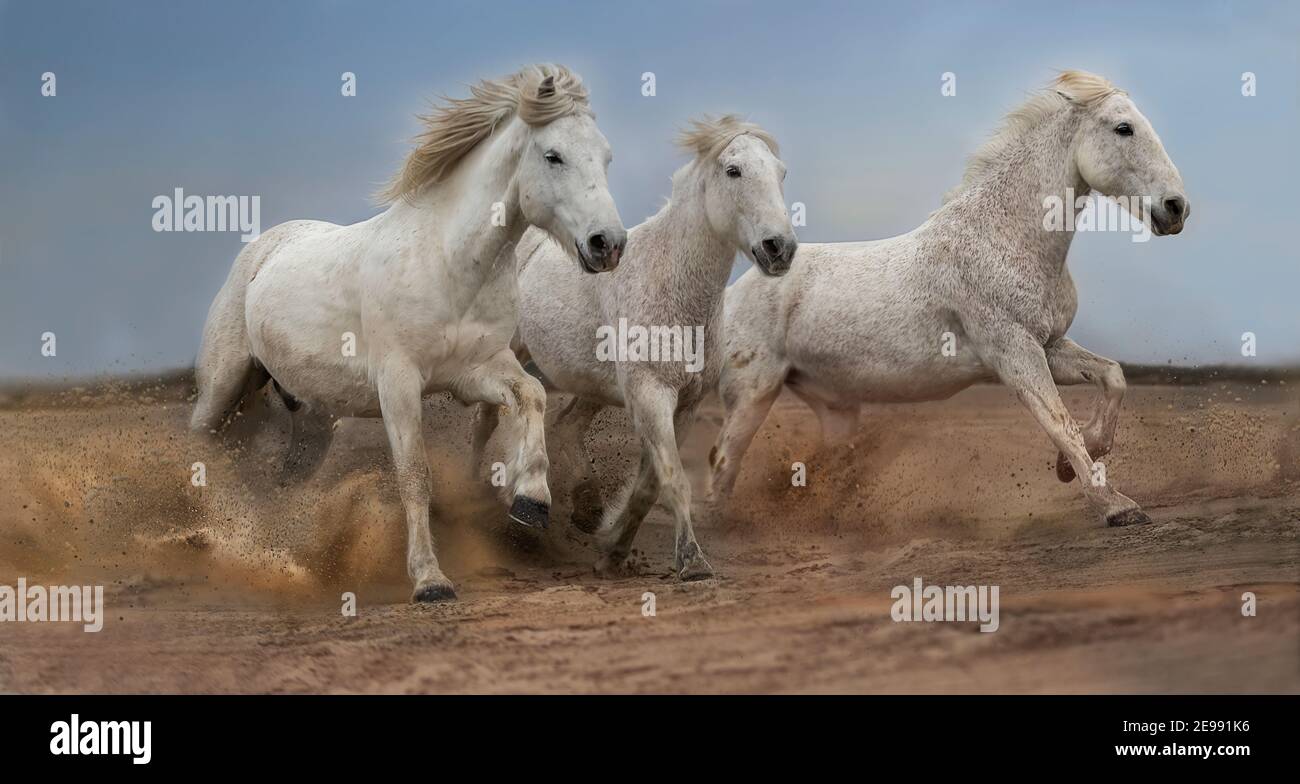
(667,297)
(869,321)
(365,320)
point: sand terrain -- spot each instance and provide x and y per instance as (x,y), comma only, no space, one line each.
(236,586)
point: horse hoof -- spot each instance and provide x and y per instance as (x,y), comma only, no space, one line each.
(433,592)
(697,568)
(1128,517)
(611,566)
(530,513)
(587,511)
(1064,471)
(587,520)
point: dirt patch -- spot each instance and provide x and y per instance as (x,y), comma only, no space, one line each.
(235,583)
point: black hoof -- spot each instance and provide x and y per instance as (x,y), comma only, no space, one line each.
(1064,471)
(435,592)
(587,511)
(612,566)
(530,513)
(1128,517)
(587,519)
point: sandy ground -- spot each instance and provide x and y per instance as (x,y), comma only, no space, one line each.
(236,586)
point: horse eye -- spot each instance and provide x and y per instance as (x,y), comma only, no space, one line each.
(1124,129)
(733,171)
(553,157)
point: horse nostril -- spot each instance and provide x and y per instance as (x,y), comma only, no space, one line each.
(597,242)
(1174,206)
(773,246)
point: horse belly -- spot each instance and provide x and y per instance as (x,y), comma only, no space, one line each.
(880,371)
(867,384)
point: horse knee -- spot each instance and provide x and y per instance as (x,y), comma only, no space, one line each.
(1113,378)
(528,396)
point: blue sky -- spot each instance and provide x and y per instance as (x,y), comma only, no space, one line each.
(243,98)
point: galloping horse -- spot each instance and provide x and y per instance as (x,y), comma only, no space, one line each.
(866,321)
(729,198)
(422,293)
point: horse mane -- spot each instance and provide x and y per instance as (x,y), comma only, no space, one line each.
(1069,88)
(537,94)
(708,136)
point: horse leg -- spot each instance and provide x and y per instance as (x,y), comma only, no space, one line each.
(502,382)
(652,407)
(571,425)
(1074,364)
(224,378)
(309,441)
(747,399)
(486,418)
(1022,365)
(400,402)
(836,424)
(840,424)
(224,372)
(623,518)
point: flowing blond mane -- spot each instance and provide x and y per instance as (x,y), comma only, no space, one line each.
(708,136)
(1077,88)
(538,94)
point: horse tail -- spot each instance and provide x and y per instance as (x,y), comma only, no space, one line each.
(225,370)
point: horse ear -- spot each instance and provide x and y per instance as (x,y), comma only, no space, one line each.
(547,88)
(1066,96)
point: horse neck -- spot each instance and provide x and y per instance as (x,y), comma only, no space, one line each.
(1040,167)
(695,260)
(458,213)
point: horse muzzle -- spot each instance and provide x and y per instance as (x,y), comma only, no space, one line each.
(1169,216)
(602,251)
(775,254)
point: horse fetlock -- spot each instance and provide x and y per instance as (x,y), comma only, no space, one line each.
(530,477)
(608,537)
(722,479)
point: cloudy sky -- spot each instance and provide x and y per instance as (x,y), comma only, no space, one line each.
(243,98)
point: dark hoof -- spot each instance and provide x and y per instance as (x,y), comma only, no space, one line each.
(587,511)
(530,513)
(1128,517)
(613,566)
(434,592)
(587,519)
(1064,471)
